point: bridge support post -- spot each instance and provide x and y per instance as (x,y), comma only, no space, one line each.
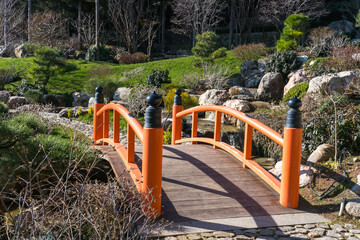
(176,122)
(152,154)
(289,192)
(98,124)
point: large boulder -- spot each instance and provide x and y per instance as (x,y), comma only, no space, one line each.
(91,102)
(342,26)
(80,99)
(306,173)
(271,87)
(240,105)
(295,78)
(19,51)
(352,207)
(16,101)
(356,188)
(252,72)
(122,94)
(321,154)
(4,96)
(54,99)
(214,97)
(333,82)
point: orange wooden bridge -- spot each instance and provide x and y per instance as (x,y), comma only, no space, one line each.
(201,181)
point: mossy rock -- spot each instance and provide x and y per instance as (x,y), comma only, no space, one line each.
(299,90)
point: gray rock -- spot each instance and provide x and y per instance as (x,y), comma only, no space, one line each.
(15,101)
(265,238)
(122,94)
(295,78)
(299,236)
(19,51)
(266,232)
(279,233)
(352,207)
(286,228)
(222,234)
(236,90)
(302,59)
(348,225)
(302,230)
(332,233)
(356,189)
(333,82)
(309,226)
(63,113)
(323,225)
(235,82)
(91,102)
(316,232)
(241,237)
(327,238)
(238,232)
(194,237)
(240,105)
(356,159)
(252,72)
(342,26)
(170,238)
(352,238)
(54,99)
(321,154)
(271,87)
(354,231)
(213,97)
(80,99)
(243,97)
(4,96)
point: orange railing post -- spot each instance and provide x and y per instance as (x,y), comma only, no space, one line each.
(116,126)
(248,143)
(289,191)
(217,130)
(98,124)
(152,154)
(176,122)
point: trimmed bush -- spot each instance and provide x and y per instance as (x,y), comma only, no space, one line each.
(3,108)
(33,96)
(294,26)
(128,58)
(249,52)
(299,90)
(105,54)
(206,44)
(283,62)
(157,77)
(220,53)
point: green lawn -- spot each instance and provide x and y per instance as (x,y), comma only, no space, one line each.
(74,81)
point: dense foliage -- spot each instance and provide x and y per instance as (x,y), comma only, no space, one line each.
(283,62)
(33,96)
(187,100)
(299,90)
(158,77)
(104,53)
(249,52)
(206,44)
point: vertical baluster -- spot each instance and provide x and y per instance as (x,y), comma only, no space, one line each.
(194,126)
(176,122)
(247,143)
(217,131)
(116,127)
(130,144)
(98,120)
(106,124)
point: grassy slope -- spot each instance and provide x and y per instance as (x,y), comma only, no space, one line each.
(74,81)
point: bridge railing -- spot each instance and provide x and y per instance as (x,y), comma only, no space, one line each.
(148,179)
(288,188)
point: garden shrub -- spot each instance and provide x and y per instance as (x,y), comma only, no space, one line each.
(327,65)
(295,24)
(33,96)
(299,90)
(125,58)
(137,96)
(249,52)
(133,77)
(24,87)
(219,53)
(319,34)
(346,51)
(328,44)
(168,86)
(30,48)
(128,58)
(156,77)
(283,62)
(215,76)
(109,84)
(105,54)
(3,108)
(191,81)
(206,44)
(187,100)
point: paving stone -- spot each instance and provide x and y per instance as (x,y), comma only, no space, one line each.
(170,238)
(224,238)
(284,238)
(182,237)
(265,238)
(327,238)
(316,232)
(298,226)
(221,234)
(249,234)
(309,226)
(350,226)
(357,235)
(251,231)
(286,228)
(337,228)
(354,231)
(352,238)
(242,237)
(323,225)
(348,234)
(302,230)
(238,232)
(333,233)
(207,234)
(271,228)
(291,232)
(266,232)
(211,238)
(194,236)
(299,236)
(280,233)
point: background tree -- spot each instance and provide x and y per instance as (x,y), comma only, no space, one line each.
(87,29)
(197,16)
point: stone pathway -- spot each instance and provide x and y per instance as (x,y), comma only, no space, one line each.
(322,231)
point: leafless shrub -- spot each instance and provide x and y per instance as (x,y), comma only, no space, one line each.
(190,81)
(137,98)
(215,76)
(317,35)
(134,76)
(69,205)
(87,28)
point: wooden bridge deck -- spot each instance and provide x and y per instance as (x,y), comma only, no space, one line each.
(208,189)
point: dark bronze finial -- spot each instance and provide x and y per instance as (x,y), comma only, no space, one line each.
(153,111)
(99,96)
(177,98)
(154,99)
(293,115)
(295,103)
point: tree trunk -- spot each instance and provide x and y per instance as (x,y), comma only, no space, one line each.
(29,19)
(97,29)
(231,30)
(163,18)
(79,25)
(5,24)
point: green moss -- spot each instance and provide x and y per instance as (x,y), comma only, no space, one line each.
(299,90)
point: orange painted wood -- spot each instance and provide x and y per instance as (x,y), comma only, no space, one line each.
(136,126)
(217,130)
(289,195)
(116,128)
(255,167)
(106,125)
(176,124)
(247,142)
(194,126)
(130,144)
(98,122)
(267,131)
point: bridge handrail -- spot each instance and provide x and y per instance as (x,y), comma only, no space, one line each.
(130,119)
(267,131)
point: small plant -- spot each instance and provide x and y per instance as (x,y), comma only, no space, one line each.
(215,76)
(157,77)
(220,53)
(283,62)
(33,96)
(299,90)
(69,113)
(187,100)
(206,44)
(79,111)
(294,26)
(249,52)
(3,108)
(91,54)
(319,34)
(133,77)
(191,81)
(167,137)
(91,110)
